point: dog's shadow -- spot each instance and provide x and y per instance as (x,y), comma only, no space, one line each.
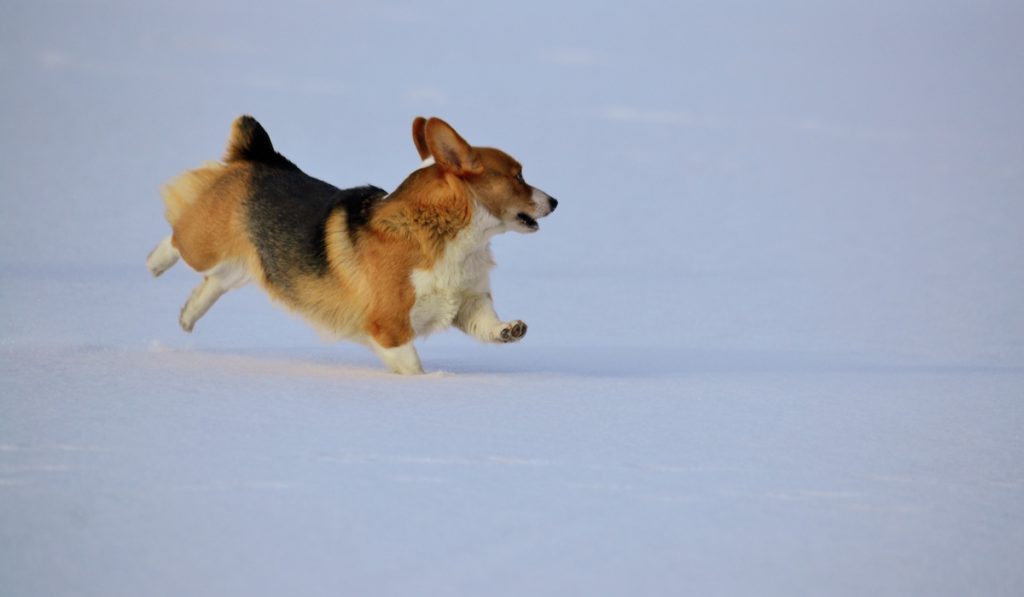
(659,362)
(570,362)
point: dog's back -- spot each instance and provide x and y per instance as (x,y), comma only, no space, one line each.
(258,206)
(286,216)
(257,216)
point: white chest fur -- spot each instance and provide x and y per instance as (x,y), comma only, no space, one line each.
(461,272)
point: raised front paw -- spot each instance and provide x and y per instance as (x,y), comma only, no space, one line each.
(512,331)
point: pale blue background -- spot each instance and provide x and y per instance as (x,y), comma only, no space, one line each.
(776,329)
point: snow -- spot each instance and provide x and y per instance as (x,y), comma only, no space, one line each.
(776,340)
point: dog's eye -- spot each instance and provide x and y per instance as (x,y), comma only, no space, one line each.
(520,178)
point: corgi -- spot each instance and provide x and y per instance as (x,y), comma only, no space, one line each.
(361,264)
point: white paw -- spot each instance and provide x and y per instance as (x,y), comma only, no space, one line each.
(402,359)
(162,257)
(512,331)
(402,369)
(185,322)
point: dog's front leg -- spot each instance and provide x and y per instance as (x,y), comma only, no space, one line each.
(477,318)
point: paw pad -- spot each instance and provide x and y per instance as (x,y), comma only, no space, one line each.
(513,331)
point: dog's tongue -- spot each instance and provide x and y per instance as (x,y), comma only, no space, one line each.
(528,221)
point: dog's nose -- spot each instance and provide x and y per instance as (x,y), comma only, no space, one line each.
(553,202)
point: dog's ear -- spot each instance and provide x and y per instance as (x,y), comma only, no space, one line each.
(419,137)
(450,150)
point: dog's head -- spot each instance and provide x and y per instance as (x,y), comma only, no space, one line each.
(493,178)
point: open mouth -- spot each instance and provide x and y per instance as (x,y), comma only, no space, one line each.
(527,221)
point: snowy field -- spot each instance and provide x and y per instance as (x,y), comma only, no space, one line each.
(776,337)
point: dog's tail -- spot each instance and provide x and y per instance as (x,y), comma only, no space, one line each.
(249,142)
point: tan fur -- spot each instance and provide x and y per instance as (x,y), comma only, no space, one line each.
(419,137)
(204,208)
(408,232)
(185,188)
(335,303)
(496,188)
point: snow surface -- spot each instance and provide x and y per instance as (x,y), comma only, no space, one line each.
(776,334)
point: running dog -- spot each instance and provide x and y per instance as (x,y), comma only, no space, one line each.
(376,268)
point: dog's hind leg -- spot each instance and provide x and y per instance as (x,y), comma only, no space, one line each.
(217,281)
(162,257)
(202,298)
